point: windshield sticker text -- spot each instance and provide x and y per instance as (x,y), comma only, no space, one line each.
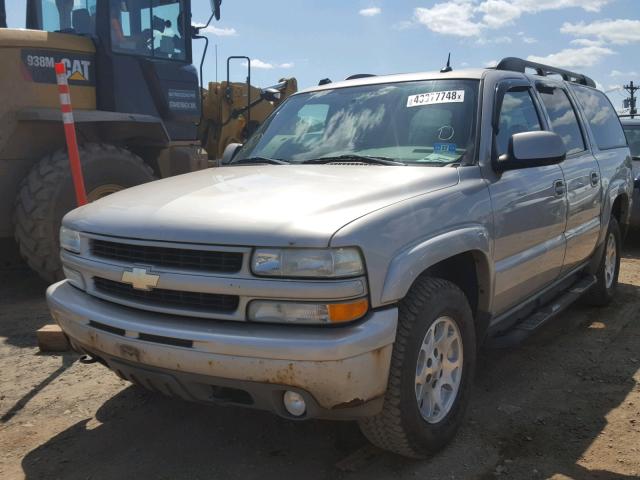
(444,148)
(447,96)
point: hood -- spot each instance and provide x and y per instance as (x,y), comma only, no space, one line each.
(270,205)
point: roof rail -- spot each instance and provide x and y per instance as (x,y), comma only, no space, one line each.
(360,75)
(515,64)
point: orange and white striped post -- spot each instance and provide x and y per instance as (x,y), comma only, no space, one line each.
(70,133)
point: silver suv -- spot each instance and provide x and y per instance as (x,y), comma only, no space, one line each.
(631,125)
(349,260)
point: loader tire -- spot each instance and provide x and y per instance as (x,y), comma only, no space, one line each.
(46,194)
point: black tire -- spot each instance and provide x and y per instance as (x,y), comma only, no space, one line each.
(601,294)
(400,427)
(47,194)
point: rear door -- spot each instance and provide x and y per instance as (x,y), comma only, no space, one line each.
(529,208)
(581,174)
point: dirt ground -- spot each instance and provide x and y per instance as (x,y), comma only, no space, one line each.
(566,404)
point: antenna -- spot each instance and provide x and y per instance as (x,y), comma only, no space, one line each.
(448,67)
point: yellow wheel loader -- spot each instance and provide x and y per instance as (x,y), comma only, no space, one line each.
(139,109)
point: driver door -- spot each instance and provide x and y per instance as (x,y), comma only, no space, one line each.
(529,208)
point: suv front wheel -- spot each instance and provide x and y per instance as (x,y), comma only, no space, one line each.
(431,374)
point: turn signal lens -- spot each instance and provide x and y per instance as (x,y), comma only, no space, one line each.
(306,313)
(346,312)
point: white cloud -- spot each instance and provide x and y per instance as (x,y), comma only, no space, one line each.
(585,42)
(466,18)
(449,18)
(620,32)
(618,73)
(217,31)
(529,40)
(574,57)
(370,12)
(404,25)
(491,63)
(262,65)
(496,40)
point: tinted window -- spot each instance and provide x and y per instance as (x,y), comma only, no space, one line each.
(633,137)
(602,118)
(76,17)
(563,118)
(152,28)
(518,114)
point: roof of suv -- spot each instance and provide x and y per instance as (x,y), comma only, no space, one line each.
(508,67)
(474,74)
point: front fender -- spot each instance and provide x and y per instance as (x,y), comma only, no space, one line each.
(411,262)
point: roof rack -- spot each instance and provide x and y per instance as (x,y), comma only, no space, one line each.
(515,64)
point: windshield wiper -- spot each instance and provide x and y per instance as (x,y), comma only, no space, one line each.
(270,161)
(354,157)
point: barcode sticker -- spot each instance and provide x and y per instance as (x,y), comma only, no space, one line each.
(447,96)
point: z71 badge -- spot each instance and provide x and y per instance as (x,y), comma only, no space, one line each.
(38,66)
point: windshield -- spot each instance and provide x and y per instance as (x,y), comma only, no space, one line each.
(425,122)
(633,139)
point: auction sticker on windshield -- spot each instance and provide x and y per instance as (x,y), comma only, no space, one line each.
(447,96)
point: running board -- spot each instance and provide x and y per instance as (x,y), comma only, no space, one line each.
(519,332)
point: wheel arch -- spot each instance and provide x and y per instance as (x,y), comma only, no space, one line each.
(461,256)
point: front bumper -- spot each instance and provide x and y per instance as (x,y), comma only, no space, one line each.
(342,371)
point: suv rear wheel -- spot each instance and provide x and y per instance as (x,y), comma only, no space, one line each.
(432,368)
(607,275)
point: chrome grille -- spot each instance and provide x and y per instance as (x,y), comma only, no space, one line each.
(172,257)
(205,302)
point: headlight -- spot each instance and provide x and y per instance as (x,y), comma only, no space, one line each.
(307,262)
(307,313)
(69,240)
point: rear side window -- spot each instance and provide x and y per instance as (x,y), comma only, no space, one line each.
(602,118)
(563,118)
(633,137)
(518,114)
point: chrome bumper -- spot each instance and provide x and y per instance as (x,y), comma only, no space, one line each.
(336,368)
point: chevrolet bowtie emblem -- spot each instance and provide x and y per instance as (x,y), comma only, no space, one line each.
(140,279)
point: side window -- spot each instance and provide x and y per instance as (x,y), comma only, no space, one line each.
(152,28)
(563,117)
(518,114)
(602,118)
(77,16)
(633,137)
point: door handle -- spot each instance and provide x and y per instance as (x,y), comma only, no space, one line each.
(559,188)
(595,179)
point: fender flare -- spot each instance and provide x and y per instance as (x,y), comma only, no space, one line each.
(411,262)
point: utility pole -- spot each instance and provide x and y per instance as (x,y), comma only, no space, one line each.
(632,89)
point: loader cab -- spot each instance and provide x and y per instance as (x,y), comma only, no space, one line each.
(143,56)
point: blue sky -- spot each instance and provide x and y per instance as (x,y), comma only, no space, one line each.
(331,38)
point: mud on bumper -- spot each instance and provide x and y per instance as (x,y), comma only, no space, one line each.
(341,372)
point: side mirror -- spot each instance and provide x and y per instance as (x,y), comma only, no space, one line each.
(230,152)
(532,149)
(270,94)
